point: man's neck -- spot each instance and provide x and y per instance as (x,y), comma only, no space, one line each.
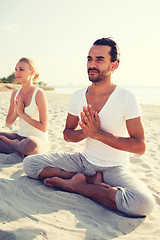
(101,88)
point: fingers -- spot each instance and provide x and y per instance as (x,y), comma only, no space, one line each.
(90,123)
(96,117)
(18,99)
(19,105)
(87,115)
(84,128)
(83,117)
(88,112)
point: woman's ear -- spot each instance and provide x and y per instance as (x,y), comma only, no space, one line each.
(32,72)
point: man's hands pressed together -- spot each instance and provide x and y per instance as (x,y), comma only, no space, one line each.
(90,122)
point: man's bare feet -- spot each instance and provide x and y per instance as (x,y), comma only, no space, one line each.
(78,184)
(69,185)
(78,179)
(8,141)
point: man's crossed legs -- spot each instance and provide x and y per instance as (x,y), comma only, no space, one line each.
(113,187)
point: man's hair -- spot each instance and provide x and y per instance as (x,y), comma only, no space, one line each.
(114,53)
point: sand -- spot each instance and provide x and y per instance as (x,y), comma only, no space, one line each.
(5,87)
(30,210)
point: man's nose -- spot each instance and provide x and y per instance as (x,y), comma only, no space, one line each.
(93,64)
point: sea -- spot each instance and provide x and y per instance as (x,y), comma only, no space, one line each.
(145,95)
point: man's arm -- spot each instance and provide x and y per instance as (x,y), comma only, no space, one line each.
(135,143)
(70,133)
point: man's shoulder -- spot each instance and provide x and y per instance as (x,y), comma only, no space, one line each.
(126,97)
(124,91)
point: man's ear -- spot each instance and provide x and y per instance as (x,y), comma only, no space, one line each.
(114,66)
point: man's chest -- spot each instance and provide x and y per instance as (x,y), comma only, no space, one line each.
(97,102)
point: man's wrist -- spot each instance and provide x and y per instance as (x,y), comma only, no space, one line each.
(98,135)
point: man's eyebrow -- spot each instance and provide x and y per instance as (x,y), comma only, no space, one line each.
(100,57)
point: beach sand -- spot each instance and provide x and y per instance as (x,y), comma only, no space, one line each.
(30,210)
(5,87)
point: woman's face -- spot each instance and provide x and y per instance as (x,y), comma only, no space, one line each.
(23,72)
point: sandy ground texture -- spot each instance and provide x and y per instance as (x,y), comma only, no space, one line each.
(4,87)
(30,210)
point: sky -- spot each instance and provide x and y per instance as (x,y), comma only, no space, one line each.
(57,35)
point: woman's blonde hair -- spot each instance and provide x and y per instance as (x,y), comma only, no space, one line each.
(32,65)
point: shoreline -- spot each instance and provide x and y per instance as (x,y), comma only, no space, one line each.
(144,98)
(9,87)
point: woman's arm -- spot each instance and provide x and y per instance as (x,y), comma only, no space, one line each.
(12,114)
(41,102)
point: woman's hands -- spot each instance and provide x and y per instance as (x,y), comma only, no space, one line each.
(19,105)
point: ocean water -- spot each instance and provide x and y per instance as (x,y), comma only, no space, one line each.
(145,95)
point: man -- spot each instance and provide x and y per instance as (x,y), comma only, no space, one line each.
(110,122)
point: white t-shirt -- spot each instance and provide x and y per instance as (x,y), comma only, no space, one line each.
(25,129)
(121,106)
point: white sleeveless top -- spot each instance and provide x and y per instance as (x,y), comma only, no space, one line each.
(25,129)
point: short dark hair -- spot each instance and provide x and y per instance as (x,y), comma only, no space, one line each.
(114,53)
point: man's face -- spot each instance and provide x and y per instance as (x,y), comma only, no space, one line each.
(99,63)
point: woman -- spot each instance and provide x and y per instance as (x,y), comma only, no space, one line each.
(30,105)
